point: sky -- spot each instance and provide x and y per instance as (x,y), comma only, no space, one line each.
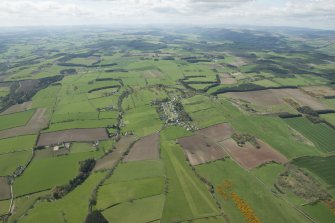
(298,13)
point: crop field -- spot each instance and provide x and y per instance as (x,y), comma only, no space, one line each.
(217,133)
(200,149)
(165,125)
(146,148)
(110,160)
(249,156)
(323,167)
(73,135)
(320,134)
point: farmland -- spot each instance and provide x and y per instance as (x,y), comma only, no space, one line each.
(166,125)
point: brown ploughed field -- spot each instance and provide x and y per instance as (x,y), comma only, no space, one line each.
(72,135)
(146,148)
(217,133)
(200,149)
(250,157)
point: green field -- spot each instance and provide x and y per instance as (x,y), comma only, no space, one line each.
(266,206)
(320,134)
(60,170)
(330,118)
(142,210)
(187,197)
(15,119)
(127,191)
(62,209)
(323,167)
(11,161)
(17,143)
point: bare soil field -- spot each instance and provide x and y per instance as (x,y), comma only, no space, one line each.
(38,121)
(250,157)
(72,135)
(200,149)
(217,133)
(277,96)
(227,79)
(319,91)
(4,189)
(111,159)
(18,108)
(146,148)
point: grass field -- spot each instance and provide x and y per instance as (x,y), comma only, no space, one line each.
(320,212)
(142,210)
(266,206)
(10,161)
(320,134)
(4,207)
(137,170)
(59,171)
(187,196)
(64,210)
(323,167)
(127,191)
(268,173)
(17,143)
(330,118)
(15,119)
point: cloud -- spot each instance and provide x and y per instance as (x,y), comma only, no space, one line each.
(317,13)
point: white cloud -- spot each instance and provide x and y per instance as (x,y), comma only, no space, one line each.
(316,13)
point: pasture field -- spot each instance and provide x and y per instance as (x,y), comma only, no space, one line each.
(187,197)
(23,204)
(137,211)
(60,170)
(204,111)
(62,209)
(174,132)
(137,170)
(329,118)
(268,173)
(142,121)
(320,134)
(78,147)
(127,191)
(11,161)
(15,119)
(260,199)
(320,212)
(4,207)
(323,167)
(17,143)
